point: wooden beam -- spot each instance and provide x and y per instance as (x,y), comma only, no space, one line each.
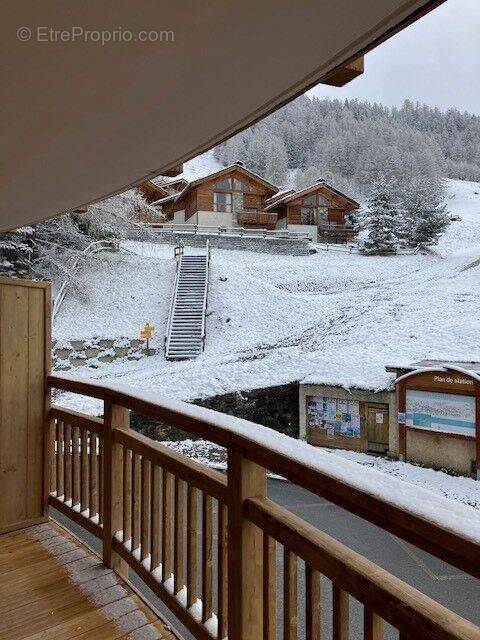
(343,75)
(174,171)
(245,541)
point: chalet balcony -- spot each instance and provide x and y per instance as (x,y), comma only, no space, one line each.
(260,219)
(337,234)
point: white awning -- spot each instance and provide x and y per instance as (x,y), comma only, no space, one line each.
(82,120)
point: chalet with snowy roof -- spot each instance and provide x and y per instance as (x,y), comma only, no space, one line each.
(157,189)
(151,191)
(231,197)
(320,210)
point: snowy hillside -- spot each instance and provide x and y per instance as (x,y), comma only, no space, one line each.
(332,317)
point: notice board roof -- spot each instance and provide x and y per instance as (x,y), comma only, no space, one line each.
(472,366)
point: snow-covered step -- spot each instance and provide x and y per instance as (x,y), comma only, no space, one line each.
(186,323)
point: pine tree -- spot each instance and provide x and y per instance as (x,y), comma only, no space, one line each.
(16,249)
(381,221)
(425,214)
(276,162)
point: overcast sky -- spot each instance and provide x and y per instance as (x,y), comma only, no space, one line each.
(435,61)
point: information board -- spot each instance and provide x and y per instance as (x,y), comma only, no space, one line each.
(339,417)
(443,412)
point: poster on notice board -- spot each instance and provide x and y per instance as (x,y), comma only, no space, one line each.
(338,417)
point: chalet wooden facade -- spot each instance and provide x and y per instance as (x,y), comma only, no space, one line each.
(237,197)
(154,190)
(320,209)
(231,197)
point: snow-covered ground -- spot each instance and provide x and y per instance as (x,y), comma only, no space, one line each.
(332,317)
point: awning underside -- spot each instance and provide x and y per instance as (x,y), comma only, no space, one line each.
(83,121)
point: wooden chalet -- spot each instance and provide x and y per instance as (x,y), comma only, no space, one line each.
(153,191)
(231,197)
(319,209)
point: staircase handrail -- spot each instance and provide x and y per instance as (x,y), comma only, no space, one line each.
(172,303)
(205,297)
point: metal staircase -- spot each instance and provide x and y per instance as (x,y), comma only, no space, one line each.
(185,337)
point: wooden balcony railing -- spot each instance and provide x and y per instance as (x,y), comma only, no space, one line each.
(265,219)
(336,234)
(206,543)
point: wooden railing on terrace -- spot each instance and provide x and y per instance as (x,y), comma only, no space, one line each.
(206,543)
(265,219)
(337,234)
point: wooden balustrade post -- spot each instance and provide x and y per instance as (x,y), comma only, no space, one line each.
(245,550)
(115,417)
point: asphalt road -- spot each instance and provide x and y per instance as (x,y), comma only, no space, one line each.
(443,583)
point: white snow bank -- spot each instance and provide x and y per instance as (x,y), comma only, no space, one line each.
(453,516)
(124,292)
(330,318)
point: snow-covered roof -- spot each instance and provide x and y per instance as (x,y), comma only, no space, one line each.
(280,196)
(470,366)
(176,197)
(291,194)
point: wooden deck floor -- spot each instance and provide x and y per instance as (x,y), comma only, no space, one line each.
(54,588)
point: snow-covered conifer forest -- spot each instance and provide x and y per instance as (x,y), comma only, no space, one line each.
(350,143)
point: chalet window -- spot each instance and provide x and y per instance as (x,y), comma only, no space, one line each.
(222,202)
(314,210)
(309,215)
(224,185)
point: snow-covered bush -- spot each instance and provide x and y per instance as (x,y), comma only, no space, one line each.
(49,250)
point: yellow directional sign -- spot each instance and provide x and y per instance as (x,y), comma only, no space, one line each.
(147,331)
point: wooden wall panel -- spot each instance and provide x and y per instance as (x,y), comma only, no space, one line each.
(204,200)
(253,200)
(294,215)
(337,215)
(24,363)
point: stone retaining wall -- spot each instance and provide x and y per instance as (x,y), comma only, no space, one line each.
(95,351)
(282,246)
